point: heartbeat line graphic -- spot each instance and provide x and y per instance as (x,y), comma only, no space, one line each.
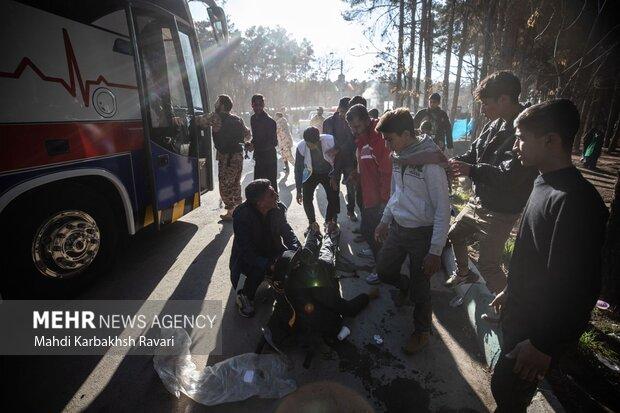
(74,72)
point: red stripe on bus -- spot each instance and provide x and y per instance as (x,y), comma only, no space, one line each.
(23,145)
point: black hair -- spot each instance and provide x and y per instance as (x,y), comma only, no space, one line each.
(559,116)
(358,99)
(396,121)
(256,189)
(344,103)
(435,97)
(226,101)
(256,97)
(497,84)
(312,134)
(358,111)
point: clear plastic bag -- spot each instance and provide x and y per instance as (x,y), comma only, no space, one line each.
(234,379)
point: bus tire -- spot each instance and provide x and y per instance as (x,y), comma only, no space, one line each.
(62,239)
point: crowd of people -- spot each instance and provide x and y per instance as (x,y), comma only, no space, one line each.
(398,170)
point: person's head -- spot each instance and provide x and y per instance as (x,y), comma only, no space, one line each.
(358,119)
(261,194)
(343,106)
(498,94)
(312,136)
(397,129)
(434,100)
(223,103)
(258,104)
(426,127)
(358,100)
(546,131)
(279,115)
(374,113)
(319,111)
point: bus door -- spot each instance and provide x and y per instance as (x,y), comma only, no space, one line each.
(171,97)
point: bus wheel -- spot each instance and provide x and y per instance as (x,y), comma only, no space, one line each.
(65,239)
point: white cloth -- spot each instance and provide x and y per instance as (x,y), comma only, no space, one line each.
(327,143)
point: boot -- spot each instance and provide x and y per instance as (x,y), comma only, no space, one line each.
(416,342)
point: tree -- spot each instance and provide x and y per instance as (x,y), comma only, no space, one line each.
(400,59)
(463,46)
(446,73)
(428,49)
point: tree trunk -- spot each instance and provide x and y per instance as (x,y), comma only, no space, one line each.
(400,58)
(611,251)
(413,5)
(446,73)
(428,81)
(585,107)
(416,101)
(489,24)
(613,112)
(462,49)
(613,143)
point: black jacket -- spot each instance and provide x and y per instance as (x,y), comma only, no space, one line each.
(229,138)
(338,127)
(442,129)
(501,182)
(264,132)
(259,240)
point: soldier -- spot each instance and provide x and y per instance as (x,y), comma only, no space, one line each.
(285,142)
(441,127)
(318,119)
(229,135)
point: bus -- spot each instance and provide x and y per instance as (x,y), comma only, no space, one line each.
(97,132)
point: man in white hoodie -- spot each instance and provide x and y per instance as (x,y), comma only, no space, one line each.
(415,221)
(313,166)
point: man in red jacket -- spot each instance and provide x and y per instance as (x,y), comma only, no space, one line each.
(374,172)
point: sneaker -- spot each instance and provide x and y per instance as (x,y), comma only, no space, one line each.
(416,342)
(373,279)
(365,253)
(244,305)
(456,279)
(352,216)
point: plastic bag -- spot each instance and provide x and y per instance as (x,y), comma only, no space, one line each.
(234,379)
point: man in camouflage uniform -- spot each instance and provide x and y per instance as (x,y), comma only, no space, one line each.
(438,118)
(285,142)
(318,119)
(229,136)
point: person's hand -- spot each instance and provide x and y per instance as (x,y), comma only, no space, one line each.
(177,121)
(381,232)
(334,183)
(431,264)
(459,168)
(300,198)
(531,364)
(498,302)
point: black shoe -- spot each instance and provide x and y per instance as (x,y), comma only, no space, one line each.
(244,305)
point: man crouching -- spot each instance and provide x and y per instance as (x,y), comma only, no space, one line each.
(261,235)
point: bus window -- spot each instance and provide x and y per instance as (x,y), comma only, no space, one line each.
(192,73)
(168,108)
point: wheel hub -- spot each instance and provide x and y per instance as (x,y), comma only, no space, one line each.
(66,244)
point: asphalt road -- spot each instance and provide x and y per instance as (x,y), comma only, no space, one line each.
(189,260)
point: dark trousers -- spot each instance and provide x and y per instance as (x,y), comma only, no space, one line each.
(333,202)
(266,166)
(351,191)
(511,393)
(414,242)
(254,276)
(370,219)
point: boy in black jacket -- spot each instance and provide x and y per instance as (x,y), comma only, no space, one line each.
(555,271)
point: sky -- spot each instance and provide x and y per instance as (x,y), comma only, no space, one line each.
(319,21)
